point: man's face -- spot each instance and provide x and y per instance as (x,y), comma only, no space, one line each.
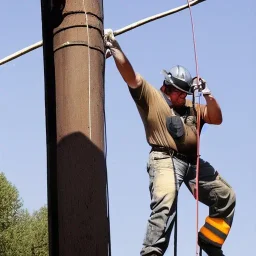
(177,97)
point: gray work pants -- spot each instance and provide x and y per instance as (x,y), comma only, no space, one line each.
(166,174)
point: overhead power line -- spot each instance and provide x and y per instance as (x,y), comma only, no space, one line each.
(117,32)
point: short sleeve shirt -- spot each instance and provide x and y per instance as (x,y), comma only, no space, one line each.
(154,110)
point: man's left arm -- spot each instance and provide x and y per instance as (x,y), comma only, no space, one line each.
(212,112)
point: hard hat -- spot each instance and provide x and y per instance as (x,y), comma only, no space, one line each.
(180,78)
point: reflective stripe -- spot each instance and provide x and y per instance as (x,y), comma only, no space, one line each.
(211,236)
(208,240)
(219,224)
(215,231)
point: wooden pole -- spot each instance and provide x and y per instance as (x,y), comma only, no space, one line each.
(74,93)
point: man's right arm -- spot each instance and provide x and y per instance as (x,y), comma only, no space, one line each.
(123,64)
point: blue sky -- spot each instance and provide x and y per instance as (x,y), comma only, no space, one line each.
(225,36)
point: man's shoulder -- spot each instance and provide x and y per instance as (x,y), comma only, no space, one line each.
(147,84)
(146,89)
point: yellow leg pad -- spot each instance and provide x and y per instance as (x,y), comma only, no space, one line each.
(219,224)
(211,236)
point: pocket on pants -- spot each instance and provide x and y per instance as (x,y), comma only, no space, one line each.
(158,160)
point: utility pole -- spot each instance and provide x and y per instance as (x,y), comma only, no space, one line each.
(74,95)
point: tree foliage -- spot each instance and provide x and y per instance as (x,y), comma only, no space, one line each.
(21,233)
(40,232)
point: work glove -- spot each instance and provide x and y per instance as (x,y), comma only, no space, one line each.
(110,42)
(202,86)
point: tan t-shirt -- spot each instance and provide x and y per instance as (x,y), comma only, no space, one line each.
(154,110)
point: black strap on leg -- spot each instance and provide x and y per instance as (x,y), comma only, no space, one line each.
(201,252)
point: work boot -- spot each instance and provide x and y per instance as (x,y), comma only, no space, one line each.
(210,249)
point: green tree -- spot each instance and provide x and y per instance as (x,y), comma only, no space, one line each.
(10,211)
(19,237)
(40,232)
(21,234)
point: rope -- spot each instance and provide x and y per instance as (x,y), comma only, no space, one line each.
(89,72)
(117,32)
(196,194)
(104,116)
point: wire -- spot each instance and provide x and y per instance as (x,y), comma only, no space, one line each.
(196,192)
(89,72)
(117,32)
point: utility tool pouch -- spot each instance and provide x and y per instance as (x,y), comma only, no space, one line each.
(175,127)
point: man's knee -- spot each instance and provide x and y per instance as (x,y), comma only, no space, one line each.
(226,199)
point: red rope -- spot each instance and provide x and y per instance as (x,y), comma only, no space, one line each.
(196,195)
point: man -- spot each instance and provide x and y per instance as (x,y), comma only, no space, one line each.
(170,125)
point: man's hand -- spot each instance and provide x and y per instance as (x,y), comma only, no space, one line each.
(202,86)
(109,38)
(110,42)
(206,90)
